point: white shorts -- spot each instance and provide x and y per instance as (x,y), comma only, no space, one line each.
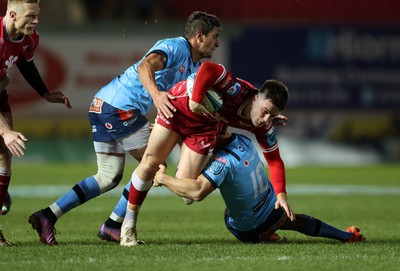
(137,140)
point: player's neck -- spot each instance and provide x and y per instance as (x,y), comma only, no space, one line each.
(11,31)
(246,109)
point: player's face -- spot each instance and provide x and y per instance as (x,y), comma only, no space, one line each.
(27,18)
(263,111)
(209,43)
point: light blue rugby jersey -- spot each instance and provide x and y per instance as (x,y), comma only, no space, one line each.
(239,173)
(126,92)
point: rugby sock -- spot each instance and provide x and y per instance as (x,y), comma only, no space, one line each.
(314,227)
(335,233)
(130,218)
(79,194)
(4,183)
(138,190)
(118,214)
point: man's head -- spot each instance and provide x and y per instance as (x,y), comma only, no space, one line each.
(269,102)
(22,16)
(202,32)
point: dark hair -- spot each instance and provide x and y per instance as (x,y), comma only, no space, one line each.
(276,91)
(200,21)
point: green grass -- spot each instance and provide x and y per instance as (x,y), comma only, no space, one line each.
(180,237)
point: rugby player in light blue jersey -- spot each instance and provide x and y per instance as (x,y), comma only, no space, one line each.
(251,214)
(118,122)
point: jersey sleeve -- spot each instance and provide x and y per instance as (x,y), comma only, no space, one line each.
(216,170)
(172,49)
(207,76)
(270,149)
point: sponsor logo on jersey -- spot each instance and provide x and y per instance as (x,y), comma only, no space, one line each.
(234,89)
(11,60)
(129,122)
(95,106)
(246,163)
(124,115)
(108,125)
(217,165)
(94,129)
(203,145)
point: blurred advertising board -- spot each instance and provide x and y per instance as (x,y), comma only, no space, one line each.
(325,67)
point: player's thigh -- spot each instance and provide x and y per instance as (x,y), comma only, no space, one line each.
(160,145)
(191,163)
(136,143)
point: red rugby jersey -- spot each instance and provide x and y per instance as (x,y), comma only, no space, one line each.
(11,51)
(237,93)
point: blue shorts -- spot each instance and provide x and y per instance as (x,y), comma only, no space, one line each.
(257,235)
(109,123)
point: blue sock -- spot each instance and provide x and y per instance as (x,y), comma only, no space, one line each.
(83,191)
(314,227)
(120,208)
(332,232)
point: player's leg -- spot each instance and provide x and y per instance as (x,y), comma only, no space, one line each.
(160,145)
(110,162)
(311,226)
(191,166)
(135,144)
(5,166)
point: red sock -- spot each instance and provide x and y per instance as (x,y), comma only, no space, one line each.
(136,197)
(4,183)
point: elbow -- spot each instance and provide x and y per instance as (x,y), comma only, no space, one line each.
(198,197)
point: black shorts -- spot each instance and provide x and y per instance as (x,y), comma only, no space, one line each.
(4,102)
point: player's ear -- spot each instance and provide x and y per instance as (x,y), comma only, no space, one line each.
(13,15)
(199,36)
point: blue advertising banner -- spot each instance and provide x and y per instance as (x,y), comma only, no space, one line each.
(325,67)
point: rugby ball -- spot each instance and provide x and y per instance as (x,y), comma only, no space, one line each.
(212,101)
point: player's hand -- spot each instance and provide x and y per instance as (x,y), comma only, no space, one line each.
(198,108)
(280,120)
(281,202)
(164,105)
(15,142)
(160,174)
(57,97)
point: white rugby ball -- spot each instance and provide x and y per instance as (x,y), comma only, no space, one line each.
(212,101)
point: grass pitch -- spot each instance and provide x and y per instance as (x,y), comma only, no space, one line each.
(180,237)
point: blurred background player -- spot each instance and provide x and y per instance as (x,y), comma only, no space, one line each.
(118,122)
(244,107)
(251,214)
(19,40)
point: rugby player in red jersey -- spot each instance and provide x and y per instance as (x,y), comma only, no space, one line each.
(18,41)
(244,107)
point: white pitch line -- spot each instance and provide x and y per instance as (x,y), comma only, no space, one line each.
(51,191)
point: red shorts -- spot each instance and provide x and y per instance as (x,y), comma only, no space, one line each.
(198,132)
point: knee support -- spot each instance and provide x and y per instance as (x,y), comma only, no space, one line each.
(110,171)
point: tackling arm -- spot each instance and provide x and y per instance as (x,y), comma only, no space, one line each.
(195,189)
(146,71)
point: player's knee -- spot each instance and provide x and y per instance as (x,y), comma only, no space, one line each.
(110,171)
(150,166)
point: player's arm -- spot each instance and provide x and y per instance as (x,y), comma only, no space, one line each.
(277,175)
(31,74)
(194,189)
(269,145)
(147,73)
(206,77)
